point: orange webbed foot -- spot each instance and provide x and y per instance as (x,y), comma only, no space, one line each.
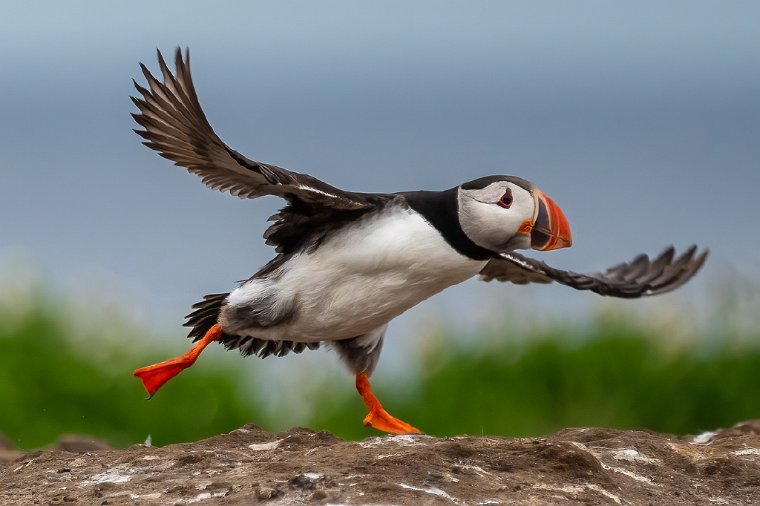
(382,420)
(378,418)
(154,376)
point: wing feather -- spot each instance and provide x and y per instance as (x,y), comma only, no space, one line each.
(639,277)
(175,126)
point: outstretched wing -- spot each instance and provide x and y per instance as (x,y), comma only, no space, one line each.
(176,127)
(640,277)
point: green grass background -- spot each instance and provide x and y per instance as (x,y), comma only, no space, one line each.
(60,374)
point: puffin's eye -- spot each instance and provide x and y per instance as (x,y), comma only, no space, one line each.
(506,200)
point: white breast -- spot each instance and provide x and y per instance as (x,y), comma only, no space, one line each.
(363,277)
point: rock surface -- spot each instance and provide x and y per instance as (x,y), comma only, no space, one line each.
(249,465)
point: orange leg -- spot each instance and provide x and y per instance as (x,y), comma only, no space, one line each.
(154,376)
(378,418)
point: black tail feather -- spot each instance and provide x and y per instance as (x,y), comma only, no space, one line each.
(206,315)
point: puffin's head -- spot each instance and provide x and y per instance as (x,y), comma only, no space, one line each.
(504,213)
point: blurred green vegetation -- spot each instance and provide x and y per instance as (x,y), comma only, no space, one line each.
(59,375)
(57,378)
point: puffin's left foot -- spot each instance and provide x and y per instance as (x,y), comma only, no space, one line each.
(154,376)
(378,418)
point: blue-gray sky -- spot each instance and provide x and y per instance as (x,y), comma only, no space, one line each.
(641,119)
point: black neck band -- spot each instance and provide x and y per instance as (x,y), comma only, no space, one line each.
(441,209)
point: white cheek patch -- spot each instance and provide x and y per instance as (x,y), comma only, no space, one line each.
(490,226)
(490,194)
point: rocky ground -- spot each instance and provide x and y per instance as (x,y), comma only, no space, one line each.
(249,465)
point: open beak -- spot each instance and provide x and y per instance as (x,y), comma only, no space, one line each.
(550,229)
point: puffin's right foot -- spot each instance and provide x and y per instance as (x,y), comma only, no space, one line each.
(378,418)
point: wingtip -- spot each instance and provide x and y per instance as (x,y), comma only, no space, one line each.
(136,101)
(668,254)
(702,258)
(160,58)
(178,61)
(704,251)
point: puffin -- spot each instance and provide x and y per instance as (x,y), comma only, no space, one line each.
(347,263)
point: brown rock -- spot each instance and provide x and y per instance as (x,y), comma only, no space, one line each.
(8,452)
(587,465)
(80,444)
(5,443)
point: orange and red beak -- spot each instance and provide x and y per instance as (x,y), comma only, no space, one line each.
(550,229)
